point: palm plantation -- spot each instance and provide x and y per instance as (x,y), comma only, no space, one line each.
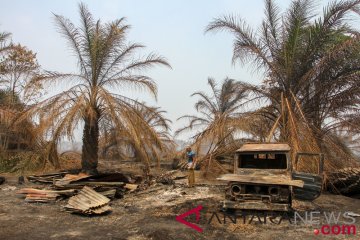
(106,63)
(311,70)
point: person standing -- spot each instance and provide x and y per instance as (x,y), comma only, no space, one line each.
(191,166)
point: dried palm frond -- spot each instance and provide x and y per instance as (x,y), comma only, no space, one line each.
(107,65)
(311,68)
(125,147)
(219,118)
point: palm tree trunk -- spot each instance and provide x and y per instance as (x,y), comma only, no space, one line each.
(89,157)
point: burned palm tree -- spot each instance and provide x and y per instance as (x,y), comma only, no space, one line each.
(125,147)
(218,118)
(106,63)
(311,68)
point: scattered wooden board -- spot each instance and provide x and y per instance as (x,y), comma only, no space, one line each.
(43,195)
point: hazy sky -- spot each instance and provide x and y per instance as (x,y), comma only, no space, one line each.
(173,29)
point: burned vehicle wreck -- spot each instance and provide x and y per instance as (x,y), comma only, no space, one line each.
(265,178)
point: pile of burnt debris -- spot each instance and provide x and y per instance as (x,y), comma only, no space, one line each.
(90,194)
(87,194)
(345,181)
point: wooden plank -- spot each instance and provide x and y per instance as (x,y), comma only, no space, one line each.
(50,195)
(39,200)
(256,179)
(44,191)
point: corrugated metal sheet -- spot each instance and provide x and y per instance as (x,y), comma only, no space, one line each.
(265,147)
(88,201)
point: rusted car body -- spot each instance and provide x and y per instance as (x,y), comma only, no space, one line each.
(264,178)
